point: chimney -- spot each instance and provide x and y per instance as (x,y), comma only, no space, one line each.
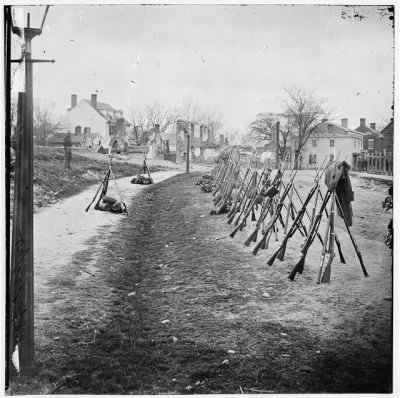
(345,123)
(74,100)
(373,126)
(362,122)
(93,100)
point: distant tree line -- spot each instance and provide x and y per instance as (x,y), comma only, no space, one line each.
(144,118)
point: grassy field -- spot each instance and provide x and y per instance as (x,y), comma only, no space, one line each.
(52,182)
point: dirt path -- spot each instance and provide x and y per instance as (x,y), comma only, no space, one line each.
(165,302)
(64,229)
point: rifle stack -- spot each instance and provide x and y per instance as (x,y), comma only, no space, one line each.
(266,202)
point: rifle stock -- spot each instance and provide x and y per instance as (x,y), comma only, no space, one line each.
(231,217)
(282,252)
(252,237)
(234,232)
(273,257)
(298,268)
(260,244)
(326,277)
(269,234)
(339,247)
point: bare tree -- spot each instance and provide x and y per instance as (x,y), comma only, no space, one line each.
(140,124)
(212,118)
(43,123)
(145,118)
(162,115)
(263,126)
(190,110)
(307,114)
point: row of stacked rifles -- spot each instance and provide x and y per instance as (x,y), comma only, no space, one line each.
(264,197)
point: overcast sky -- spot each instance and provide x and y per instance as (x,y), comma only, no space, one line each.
(236,58)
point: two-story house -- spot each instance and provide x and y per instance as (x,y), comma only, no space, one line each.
(330,141)
(371,137)
(387,138)
(99,124)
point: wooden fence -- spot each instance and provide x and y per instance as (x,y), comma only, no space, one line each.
(375,163)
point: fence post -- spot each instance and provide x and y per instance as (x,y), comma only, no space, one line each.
(384,161)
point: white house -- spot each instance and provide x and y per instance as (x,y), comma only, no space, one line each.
(94,119)
(331,141)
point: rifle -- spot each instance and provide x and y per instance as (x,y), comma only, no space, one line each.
(233,209)
(353,241)
(329,225)
(241,207)
(264,183)
(224,183)
(229,191)
(275,216)
(249,206)
(338,245)
(270,193)
(326,277)
(264,211)
(246,200)
(299,267)
(280,253)
(103,184)
(222,174)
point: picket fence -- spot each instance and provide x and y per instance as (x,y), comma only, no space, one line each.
(374,163)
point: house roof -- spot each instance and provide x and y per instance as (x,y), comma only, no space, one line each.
(388,127)
(321,130)
(103,106)
(366,130)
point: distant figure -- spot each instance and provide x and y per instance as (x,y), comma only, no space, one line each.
(67,151)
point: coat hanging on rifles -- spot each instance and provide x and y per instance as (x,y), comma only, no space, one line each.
(337,178)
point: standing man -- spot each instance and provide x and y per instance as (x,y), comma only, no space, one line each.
(67,151)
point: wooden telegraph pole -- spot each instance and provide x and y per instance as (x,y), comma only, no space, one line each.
(187,150)
(277,143)
(21,275)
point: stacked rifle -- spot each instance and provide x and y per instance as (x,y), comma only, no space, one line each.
(268,199)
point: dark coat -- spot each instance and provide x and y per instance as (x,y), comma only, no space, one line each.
(337,178)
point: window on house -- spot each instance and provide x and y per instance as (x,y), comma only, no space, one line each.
(78,130)
(332,143)
(314,143)
(312,159)
(331,156)
(371,144)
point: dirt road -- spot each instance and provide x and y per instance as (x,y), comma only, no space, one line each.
(163,301)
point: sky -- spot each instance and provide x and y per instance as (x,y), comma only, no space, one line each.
(235,59)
